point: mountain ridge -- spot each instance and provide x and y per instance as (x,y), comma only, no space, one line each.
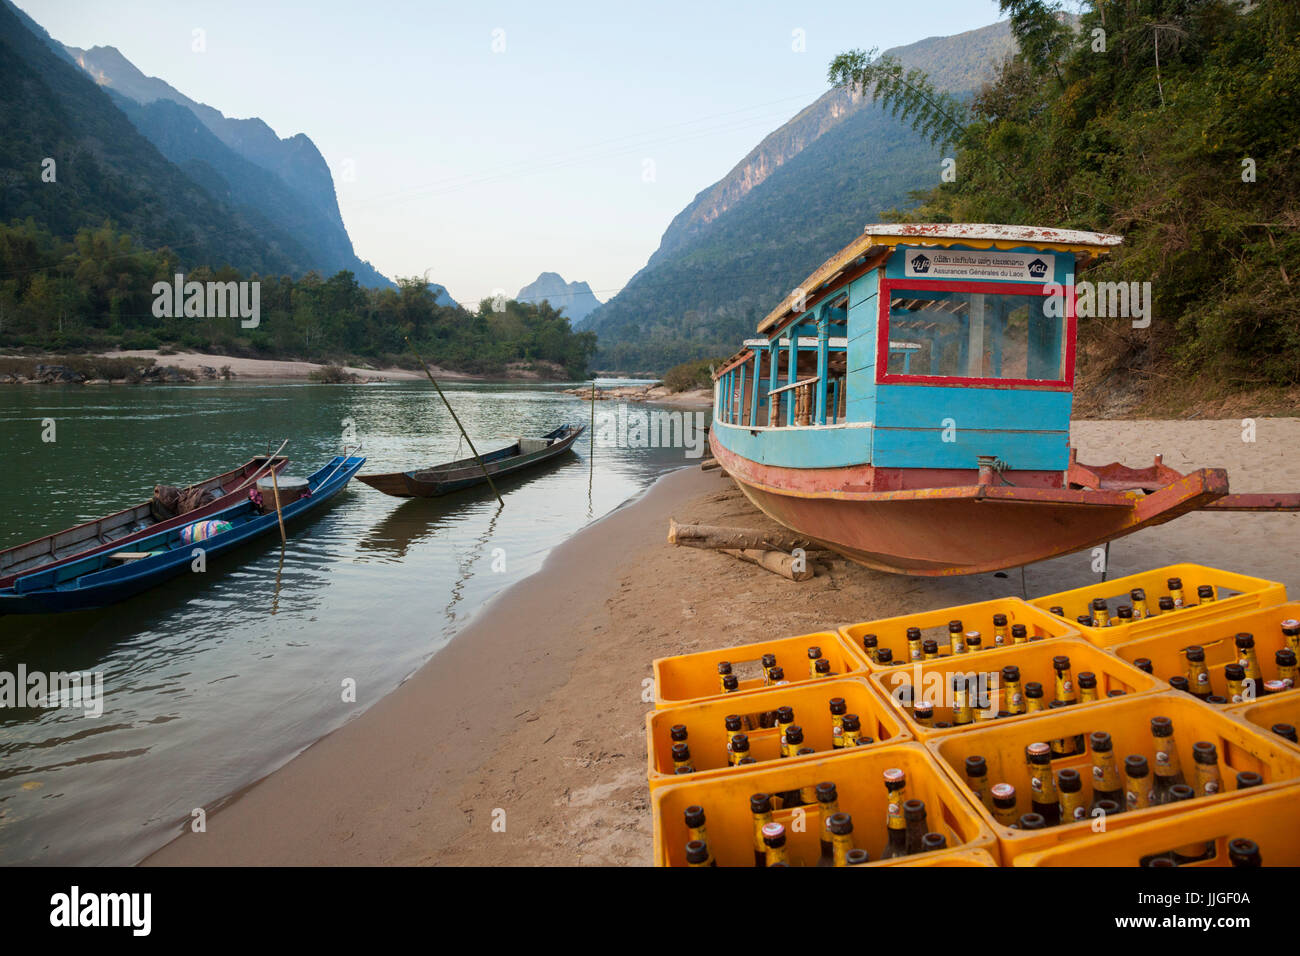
(575,298)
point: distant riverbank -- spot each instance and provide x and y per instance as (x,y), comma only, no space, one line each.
(138,366)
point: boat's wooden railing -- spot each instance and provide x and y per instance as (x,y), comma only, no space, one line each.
(801,393)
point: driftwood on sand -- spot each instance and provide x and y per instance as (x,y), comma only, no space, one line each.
(778,562)
(720,538)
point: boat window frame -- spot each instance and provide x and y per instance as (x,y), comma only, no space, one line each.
(1042,289)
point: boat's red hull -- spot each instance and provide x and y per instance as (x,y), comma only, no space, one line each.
(960,530)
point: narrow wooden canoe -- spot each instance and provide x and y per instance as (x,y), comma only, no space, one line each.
(123,527)
(108,577)
(466,473)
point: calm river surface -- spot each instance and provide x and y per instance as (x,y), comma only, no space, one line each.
(211,681)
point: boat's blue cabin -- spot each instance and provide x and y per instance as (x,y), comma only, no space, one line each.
(917,347)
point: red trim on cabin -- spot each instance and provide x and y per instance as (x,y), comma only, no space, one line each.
(884,377)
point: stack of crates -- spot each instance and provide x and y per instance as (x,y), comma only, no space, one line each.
(1131,663)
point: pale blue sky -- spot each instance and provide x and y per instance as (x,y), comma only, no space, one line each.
(485,167)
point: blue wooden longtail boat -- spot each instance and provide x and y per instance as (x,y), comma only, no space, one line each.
(106,578)
(909,407)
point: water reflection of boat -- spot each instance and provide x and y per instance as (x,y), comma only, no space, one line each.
(416,519)
(469,473)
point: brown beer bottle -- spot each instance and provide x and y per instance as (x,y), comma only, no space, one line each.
(1043,797)
(856,857)
(1019,634)
(828,804)
(895,823)
(697,854)
(884,657)
(1057,610)
(1032,821)
(1168,771)
(838,710)
(739,747)
(1069,784)
(775,852)
(869,644)
(1013,695)
(760,807)
(961,709)
(814,655)
(724,671)
(1105,775)
(1192,852)
(1000,636)
(1234,675)
(1100,612)
(1246,658)
(1004,804)
(682,758)
(852,730)
(841,828)
(1179,682)
(1291,634)
(923,713)
(1167,605)
(974,642)
(1087,687)
(1287,671)
(1139,598)
(1175,591)
(1286,730)
(695,831)
(916,827)
(957,637)
(1243,852)
(1247,779)
(933,841)
(1139,792)
(1144,664)
(822,668)
(930,650)
(1205,594)
(730,684)
(1034,697)
(915,650)
(734,726)
(1205,761)
(977,778)
(1198,675)
(767,661)
(1124,614)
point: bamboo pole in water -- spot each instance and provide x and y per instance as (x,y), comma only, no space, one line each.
(457,421)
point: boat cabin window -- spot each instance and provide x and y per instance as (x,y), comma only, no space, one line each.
(951,332)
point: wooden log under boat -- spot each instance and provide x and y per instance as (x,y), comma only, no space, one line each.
(466,473)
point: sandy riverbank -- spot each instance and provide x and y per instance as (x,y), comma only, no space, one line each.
(274,369)
(536,707)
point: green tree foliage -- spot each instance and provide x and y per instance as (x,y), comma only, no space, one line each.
(1174,123)
(96,292)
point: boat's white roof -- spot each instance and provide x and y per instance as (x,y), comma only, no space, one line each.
(986,231)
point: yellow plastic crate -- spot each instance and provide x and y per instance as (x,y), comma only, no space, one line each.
(1268,819)
(947,858)
(1274,709)
(891,632)
(1166,650)
(1002,744)
(707,733)
(1035,663)
(861,791)
(1236,593)
(694,677)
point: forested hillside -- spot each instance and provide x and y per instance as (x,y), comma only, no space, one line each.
(1176,124)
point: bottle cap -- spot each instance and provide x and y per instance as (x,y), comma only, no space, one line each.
(894,775)
(1290,626)
(773,833)
(1274,686)
(1038,749)
(1004,792)
(923,708)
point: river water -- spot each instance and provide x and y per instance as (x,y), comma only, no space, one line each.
(213,680)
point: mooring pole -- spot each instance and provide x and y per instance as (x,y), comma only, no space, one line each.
(456,420)
(591,453)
